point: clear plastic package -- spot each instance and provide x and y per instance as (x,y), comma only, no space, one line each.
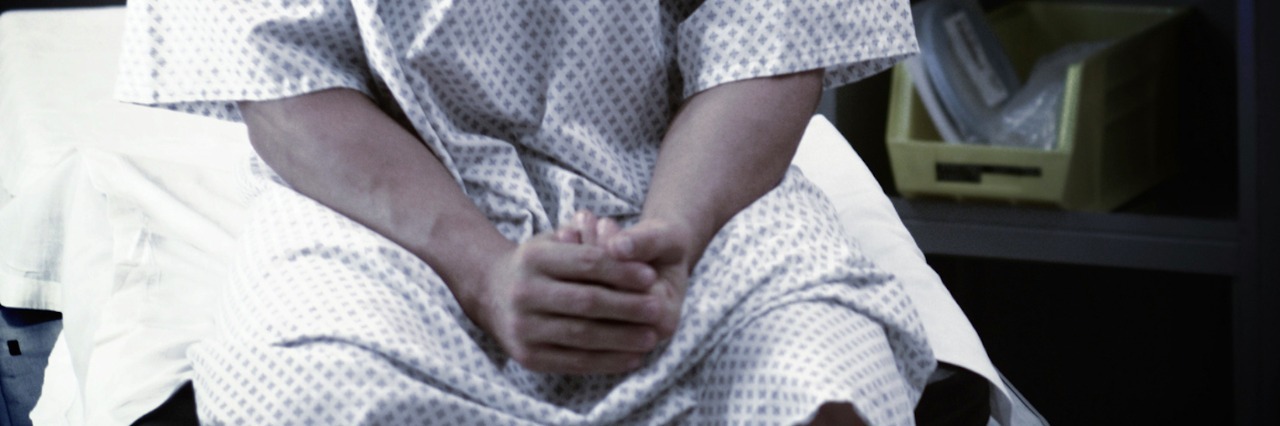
(966,66)
(1029,119)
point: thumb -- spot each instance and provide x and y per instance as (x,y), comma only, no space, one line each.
(644,242)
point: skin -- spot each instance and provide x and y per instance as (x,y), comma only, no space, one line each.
(590,297)
(338,148)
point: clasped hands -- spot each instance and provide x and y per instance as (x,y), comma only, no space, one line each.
(590,298)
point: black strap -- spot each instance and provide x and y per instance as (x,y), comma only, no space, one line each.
(961,399)
(964,398)
(178,410)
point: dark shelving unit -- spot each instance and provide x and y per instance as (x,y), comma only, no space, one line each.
(1176,244)
(1216,223)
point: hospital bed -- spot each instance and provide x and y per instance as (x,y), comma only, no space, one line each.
(135,212)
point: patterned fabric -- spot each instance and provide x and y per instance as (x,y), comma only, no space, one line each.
(538,109)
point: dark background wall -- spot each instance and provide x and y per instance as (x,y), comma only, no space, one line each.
(1101,345)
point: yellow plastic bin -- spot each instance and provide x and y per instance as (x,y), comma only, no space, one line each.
(1116,136)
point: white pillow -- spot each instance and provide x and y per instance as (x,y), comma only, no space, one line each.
(828,160)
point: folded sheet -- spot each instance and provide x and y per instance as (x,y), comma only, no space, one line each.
(120,216)
(57,69)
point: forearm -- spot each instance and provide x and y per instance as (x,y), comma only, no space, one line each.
(338,148)
(726,147)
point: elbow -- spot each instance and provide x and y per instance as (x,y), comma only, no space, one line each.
(300,131)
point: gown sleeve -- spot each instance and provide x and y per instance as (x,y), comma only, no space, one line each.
(730,40)
(203,56)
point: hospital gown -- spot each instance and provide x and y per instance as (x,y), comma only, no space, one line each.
(538,109)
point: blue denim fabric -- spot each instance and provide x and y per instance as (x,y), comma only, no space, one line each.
(26,338)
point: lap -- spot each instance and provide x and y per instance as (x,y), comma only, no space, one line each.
(315,295)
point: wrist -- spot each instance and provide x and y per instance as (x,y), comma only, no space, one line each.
(468,260)
(476,292)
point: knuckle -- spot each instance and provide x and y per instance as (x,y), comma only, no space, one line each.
(522,293)
(521,354)
(522,327)
(530,358)
(641,273)
(666,328)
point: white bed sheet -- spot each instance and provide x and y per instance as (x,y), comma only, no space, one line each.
(147,209)
(131,210)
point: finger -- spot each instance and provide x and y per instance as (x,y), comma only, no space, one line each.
(558,360)
(585,221)
(645,242)
(605,229)
(591,335)
(568,235)
(588,264)
(592,302)
(668,319)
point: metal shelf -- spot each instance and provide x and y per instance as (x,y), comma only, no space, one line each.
(1179,244)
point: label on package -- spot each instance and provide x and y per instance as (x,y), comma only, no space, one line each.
(974,60)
